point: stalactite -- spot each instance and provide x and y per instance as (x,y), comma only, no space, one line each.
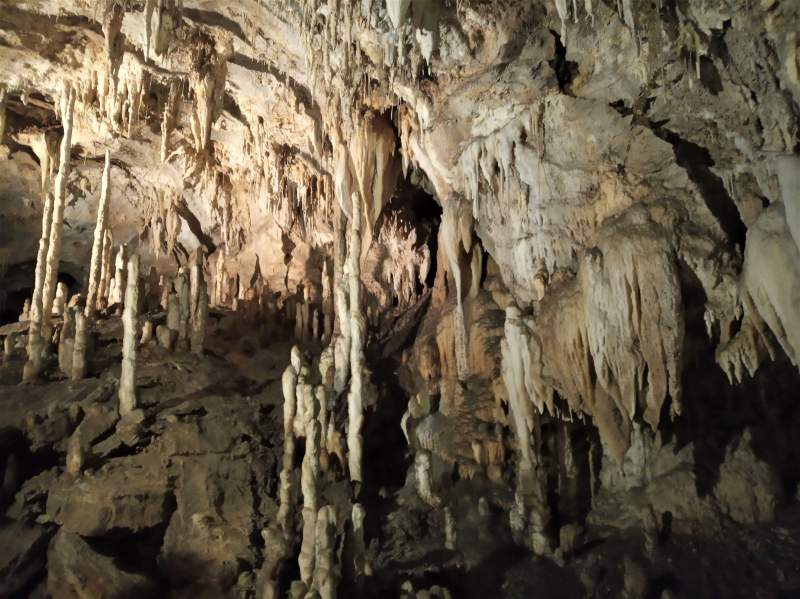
(99,237)
(456,232)
(130,322)
(149,7)
(208,86)
(516,360)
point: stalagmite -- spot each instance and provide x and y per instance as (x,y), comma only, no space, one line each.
(422,468)
(8,346)
(289,384)
(26,311)
(99,238)
(59,202)
(147,332)
(308,483)
(299,332)
(66,343)
(325,575)
(449,529)
(60,300)
(3,98)
(79,351)
(120,285)
(341,342)
(173,312)
(184,302)
(130,322)
(105,272)
(220,278)
(355,400)
(327,302)
(199,320)
(40,302)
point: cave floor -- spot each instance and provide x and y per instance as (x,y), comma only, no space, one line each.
(171,500)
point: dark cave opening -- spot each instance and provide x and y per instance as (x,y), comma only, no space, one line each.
(716,413)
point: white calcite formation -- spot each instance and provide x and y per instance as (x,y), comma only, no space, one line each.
(541,258)
(95,277)
(130,321)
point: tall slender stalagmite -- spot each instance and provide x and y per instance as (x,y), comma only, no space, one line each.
(3,96)
(35,341)
(105,271)
(341,308)
(99,238)
(59,202)
(355,401)
(79,347)
(130,322)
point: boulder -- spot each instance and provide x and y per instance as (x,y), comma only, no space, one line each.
(75,570)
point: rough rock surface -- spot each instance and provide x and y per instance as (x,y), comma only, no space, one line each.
(518,280)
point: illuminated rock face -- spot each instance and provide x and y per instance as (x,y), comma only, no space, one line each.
(508,273)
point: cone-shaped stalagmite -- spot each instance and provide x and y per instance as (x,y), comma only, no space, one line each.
(59,203)
(105,272)
(79,350)
(3,96)
(130,322)
(99,241)
(44,279)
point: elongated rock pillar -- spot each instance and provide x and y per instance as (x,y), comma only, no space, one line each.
(36,344)
(130,322)
(79,349)
(105,271)
(59,202)
(119,287)
(99,239)
(3,96)
(325,574)
(355,400)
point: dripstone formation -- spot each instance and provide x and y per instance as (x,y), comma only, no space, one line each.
(399,298)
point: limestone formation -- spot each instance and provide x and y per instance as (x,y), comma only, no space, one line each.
(432,293)
(130,320)
(79,357)
(99,240)
(59,202)
(119,283)
(355,396)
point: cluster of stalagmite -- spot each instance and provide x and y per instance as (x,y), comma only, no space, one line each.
(48,254)
(95,290)
(305,414)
